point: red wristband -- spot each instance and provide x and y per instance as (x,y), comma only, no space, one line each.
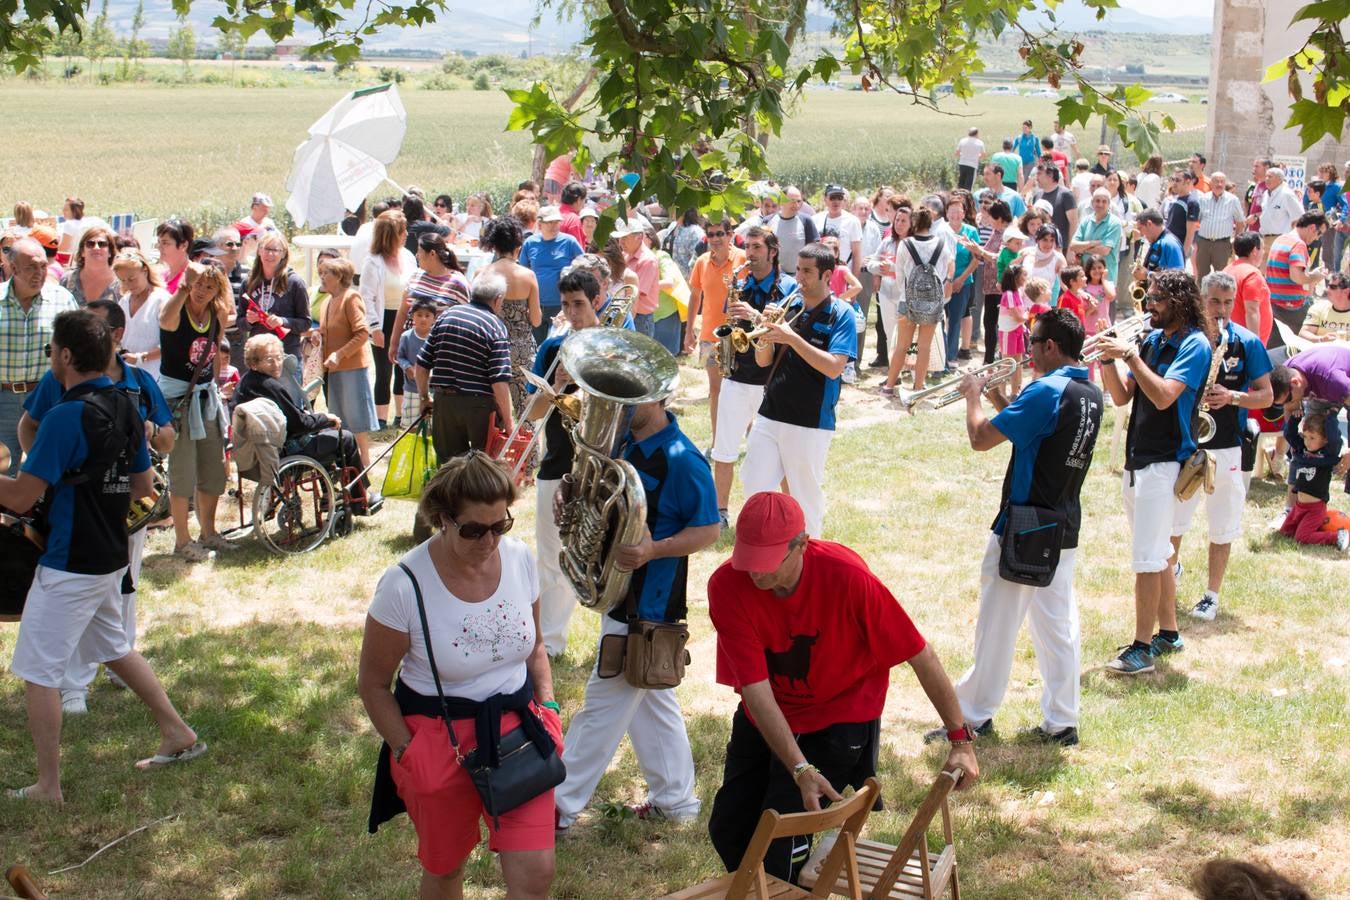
(960,734)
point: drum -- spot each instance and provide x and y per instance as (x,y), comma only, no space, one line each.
(21,545)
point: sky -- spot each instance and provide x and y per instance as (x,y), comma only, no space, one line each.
(1170,7)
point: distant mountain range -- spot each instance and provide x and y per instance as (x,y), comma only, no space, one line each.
(507,29)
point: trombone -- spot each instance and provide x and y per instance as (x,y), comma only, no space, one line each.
(949,391)
(1132,329)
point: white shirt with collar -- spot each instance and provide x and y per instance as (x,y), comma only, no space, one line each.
(1280,208)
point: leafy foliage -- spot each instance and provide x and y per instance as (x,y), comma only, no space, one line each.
(1323,62)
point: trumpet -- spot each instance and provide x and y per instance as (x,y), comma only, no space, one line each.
(949,391)
(772,315)
(1132,329)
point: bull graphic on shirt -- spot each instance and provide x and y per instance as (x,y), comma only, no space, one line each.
(794,663)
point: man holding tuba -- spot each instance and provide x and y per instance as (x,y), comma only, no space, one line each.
(805,351)
(681,520)
(142,388)
(1243,383)
(581,299)
(1164,378)
(743,392)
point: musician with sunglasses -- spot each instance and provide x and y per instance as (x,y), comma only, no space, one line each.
(762,284)
(681,520)
(1163,378)
(710,282)
(459,616)
(141,387)
(1052,427)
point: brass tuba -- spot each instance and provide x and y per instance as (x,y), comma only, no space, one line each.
(604,505)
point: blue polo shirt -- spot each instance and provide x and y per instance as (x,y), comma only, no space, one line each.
(1028,146)
(759,293)
(86,517)
(1165,253)
(547,259)
(1245,360)
(139,384)
(798,393)
(680,494)
(1052,426)
(1166,435)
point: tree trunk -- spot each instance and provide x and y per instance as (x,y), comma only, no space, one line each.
(540,164)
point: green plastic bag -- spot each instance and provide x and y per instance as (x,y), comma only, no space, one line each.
(411,464)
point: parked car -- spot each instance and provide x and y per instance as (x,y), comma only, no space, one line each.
(1169,97)
(1003,91)
(1045,93)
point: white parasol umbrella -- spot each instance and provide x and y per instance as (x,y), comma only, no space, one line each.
(346,154)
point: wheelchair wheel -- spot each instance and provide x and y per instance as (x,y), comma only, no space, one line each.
(342,522)
(294,512)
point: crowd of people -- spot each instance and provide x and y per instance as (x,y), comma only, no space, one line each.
(109,351)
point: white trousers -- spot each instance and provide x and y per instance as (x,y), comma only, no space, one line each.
(557,599)
(1223,508)
(654,723)
(81,669)
(66,613)
(1054,634)
(889,310)
(776,451)
(1150,507)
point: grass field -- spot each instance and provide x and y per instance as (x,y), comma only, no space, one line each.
(201,152)
(1235,747)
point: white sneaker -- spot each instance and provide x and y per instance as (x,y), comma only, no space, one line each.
(73,703)
(115,679)
(1278,522)
(1206,609)
(1342,539)
(1176,572)
(850,375)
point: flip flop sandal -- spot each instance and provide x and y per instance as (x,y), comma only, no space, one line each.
(192,552)
(159,760)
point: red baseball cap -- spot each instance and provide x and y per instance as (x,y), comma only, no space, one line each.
(766,525)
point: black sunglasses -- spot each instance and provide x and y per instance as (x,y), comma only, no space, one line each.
(47,350)
(97,243)
(476,531)
(713,234)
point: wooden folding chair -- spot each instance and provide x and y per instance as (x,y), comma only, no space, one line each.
(23,883)
(839,866)
(904,871)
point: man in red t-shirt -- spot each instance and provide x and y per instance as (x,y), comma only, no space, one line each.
(807,635)
(1252,309)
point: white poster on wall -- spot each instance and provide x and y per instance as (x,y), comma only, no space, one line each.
(1295,171)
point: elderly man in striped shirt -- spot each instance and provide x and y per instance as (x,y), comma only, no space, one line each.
(464,369)
(1221,220)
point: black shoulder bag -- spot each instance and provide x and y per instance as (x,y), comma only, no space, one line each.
(1030,545)
(526,770)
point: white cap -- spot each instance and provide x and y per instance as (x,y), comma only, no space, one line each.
(1013,233)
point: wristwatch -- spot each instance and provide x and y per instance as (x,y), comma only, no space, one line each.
(801,769)
(398,754)
(963,735)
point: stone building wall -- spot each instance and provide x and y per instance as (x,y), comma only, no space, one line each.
(1246,117)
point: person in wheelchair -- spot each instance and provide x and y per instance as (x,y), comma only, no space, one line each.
(319,436)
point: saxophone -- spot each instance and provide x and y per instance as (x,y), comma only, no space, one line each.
(142,512)
(730,338)
(604,505)
(1206,429)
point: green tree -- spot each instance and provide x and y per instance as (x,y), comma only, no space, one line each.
(136,47)
(183,42)
(100,41)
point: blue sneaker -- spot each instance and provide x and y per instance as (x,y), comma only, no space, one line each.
(1131,661)
(1161,646)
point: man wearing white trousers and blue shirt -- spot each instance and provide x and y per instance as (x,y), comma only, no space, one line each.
(1164,378)
(805,353)
(681,519)
(1052,426)
(1243,383)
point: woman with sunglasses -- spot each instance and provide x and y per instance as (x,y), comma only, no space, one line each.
(92,277)
(143,297)
(191,326)
(479,602)
(275,297)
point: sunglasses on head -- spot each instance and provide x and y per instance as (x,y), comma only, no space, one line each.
(476,531)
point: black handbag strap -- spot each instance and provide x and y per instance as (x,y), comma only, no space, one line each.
(431,660)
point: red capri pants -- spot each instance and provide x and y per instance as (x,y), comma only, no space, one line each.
(444,805)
